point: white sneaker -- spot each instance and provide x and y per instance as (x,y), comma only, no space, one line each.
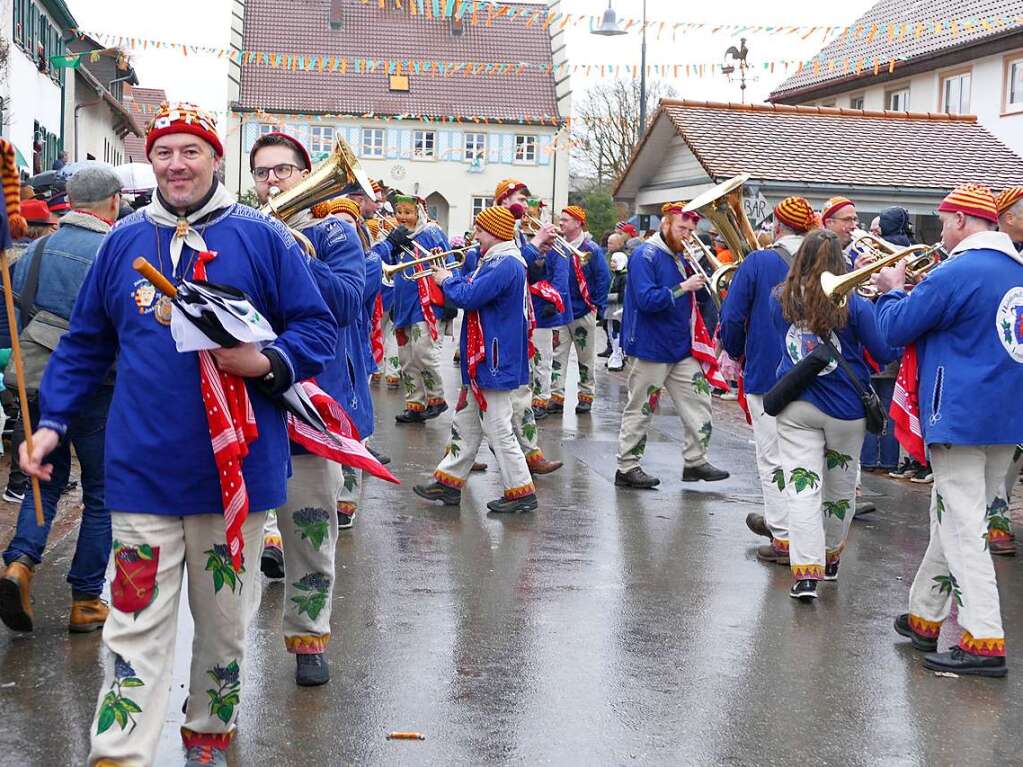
(616,361)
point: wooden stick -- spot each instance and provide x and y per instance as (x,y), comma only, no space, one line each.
(151,273)
(19,371)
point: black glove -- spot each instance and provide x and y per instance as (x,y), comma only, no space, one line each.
(548,310)
(399,238)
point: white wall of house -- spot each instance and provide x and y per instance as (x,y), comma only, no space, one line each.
(989,100)
(448,180)
(95,134)
(32,95)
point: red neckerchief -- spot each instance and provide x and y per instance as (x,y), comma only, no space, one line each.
(905,407)
(426,301)
(584,289)
(107,221)
(376,331)
(232,426)
(548,293)
(475,347)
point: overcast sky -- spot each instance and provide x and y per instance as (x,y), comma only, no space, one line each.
(202,79)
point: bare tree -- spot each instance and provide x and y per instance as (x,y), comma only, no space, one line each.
(606,126)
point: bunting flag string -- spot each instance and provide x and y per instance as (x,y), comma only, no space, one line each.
(305,62)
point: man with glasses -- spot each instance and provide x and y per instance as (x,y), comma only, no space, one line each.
(307,528)
(839,216)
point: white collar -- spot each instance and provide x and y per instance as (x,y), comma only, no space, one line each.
(989,240)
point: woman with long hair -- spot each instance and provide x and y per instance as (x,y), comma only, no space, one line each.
(820,433)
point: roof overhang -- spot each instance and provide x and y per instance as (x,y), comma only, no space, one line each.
(124,120)
(552,122)
(61,13)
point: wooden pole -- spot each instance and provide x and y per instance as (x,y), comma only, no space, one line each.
(19,371)
(151,273)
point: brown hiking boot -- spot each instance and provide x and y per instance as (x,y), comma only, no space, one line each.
(768,553)
(755,522)
(545,467)
(87,615)
(1005,547)
(16,597)
(478,467)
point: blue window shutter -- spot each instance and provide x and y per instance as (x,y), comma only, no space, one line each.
(391,143)
(457,146)
(443,145)
(507,147)
(251,133)
(493,147)
(406,144)
(544,150)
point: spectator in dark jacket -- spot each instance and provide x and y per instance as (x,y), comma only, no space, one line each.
(895,227)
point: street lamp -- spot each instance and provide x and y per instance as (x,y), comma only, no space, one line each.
(609,28)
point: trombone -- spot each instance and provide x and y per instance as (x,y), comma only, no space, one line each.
(410,271)
(695,249)
(923,258)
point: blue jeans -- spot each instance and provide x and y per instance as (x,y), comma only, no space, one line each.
(87,433)
(881,451)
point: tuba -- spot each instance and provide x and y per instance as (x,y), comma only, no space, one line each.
(723,206)
(324,182)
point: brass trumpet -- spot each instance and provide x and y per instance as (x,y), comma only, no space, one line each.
(923,258)
(559,240)
(695,249)
(433,259)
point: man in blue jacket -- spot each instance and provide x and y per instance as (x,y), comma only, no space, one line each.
(163,484)
(966,321)
(495,362)
(69,254)
(657,325)
(588,283)
(747,333)
(280,162)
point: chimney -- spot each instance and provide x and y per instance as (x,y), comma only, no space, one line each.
(336,14)
(457,26)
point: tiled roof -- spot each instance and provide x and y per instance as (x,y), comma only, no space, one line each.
(844,147)
(301,27)
(142,103)
(903,31)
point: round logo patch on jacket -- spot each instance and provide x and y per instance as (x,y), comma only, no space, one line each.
(800,342)
(1009,323)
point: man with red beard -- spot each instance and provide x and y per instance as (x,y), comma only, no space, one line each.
(658,326)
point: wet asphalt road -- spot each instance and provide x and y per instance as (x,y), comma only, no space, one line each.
(607,628)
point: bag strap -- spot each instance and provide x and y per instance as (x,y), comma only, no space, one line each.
(846,367)
(27,299)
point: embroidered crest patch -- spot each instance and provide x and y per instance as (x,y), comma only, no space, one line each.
(1009,323)
(800,343)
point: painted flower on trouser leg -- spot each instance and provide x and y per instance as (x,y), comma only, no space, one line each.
(227,694)
(316,587)
(116,706)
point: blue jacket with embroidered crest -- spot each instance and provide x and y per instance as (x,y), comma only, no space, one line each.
(747,321)
(374,275)
(556,270)
(833,393)
(407,309)
(340,272)
(655,324)
(497,290)
(966,319)
(158,454)
(597,274)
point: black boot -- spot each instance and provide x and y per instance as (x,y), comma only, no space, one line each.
(583,407)
(920,642)
(383,458)
(755,522)
(311,669)
(636,478)
(706,472)
(804,591)
(958,661)
(435,491)
(514,505)
(272,562)
(432,411)
(554,408)
(410,416)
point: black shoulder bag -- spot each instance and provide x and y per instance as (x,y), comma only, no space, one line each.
(791,385)
(873,412)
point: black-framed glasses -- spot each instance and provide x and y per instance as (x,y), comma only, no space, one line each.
(282,171)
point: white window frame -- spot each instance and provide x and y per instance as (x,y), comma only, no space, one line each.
(479,202)
(861,97)
(902,92)
(321,140)
(965,85)
(373,140)
(424,144)
(526,146)
(481,149)
(1008,105)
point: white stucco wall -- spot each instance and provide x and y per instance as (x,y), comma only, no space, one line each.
(451,177)
(33,97)
(94,126)
(988,84)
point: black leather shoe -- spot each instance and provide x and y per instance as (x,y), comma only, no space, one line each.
(636,478)
(706,472)
(920,642)
(583,407)
(435,491)
(958,661)
(311,670)
(410,416)
(755,522)
(606,352)
(514,505)
(432,411)
(554,408)
(272,563)
(804,591)
(383,458)
(865,507)
(539,413)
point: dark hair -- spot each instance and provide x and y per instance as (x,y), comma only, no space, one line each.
(275,139)
(802,299)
